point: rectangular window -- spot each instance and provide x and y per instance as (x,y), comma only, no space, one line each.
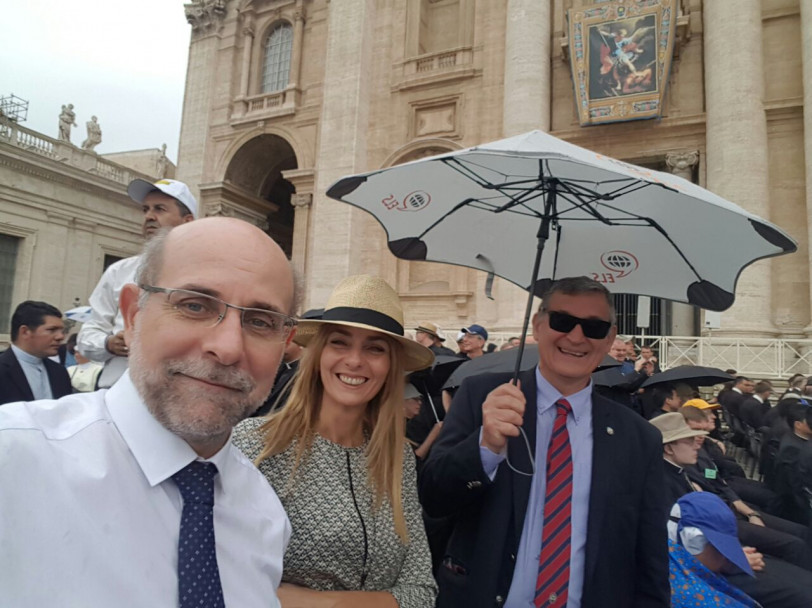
(109,260)
(8,264)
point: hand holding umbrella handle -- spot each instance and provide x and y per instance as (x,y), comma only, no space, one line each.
(502,416)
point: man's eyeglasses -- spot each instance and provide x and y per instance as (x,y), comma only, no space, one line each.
(209,311)
(595,329)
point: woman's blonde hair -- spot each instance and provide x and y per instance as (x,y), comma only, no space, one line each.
(383,423)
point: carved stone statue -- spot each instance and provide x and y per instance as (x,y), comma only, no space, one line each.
(161,164)
(94,135)
(67,119)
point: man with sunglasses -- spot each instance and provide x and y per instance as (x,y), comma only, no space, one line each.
(116,497)
(556,491)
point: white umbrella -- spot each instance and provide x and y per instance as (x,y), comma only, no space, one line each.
(80,314)
(636,230)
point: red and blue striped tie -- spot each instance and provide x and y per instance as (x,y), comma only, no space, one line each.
(552,585)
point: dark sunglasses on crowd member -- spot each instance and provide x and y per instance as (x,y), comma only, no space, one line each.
(596,329)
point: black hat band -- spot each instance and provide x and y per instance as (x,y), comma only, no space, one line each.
(365,316)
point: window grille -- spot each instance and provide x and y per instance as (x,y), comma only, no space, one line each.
(276,68)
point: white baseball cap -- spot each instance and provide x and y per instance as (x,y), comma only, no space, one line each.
(139,188)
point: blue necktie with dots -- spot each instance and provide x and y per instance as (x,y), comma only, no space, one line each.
(198,574)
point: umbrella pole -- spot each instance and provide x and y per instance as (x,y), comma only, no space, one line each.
(543,235)
(431,401)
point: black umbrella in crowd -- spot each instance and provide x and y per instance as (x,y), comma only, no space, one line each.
(505,361)
(694,375)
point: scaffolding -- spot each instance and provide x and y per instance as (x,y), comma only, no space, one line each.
(14,108)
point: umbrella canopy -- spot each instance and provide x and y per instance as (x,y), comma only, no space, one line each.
(80,314)
(636,230)
(695,375)
(505,361)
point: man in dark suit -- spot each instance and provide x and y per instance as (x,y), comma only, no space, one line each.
(588,526)
(754,407)
(26,373)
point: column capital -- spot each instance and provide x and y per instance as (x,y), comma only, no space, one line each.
(205,16)
(301,200)
(680,162)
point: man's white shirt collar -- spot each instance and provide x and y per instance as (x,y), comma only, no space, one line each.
(158,451)
(548,395)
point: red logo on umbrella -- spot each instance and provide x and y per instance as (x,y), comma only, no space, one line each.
(414,201)
(621,263)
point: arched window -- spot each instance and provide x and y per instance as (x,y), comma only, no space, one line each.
(276,67)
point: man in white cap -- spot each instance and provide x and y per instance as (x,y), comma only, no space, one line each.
(166,203)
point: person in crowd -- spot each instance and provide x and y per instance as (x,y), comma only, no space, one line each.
(337,455)
(472,341)
(731,400)
(84,373)
(512,342)
(702,544)
(754,407)
(795,387)
(283,380)
(663,398)
(133,484)
(780,584)
(647,355)
(412,404)
(26,371)
(428,334)
(634,374)
(789,482)
(726,471)
(698,413)
(583,452)
(166,203)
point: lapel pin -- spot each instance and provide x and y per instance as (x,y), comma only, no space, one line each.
(610,430)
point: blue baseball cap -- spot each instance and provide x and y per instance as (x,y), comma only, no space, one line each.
(476,330)
(714,518)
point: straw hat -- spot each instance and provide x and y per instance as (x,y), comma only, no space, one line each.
(430,329)
(674,427)
(369,303)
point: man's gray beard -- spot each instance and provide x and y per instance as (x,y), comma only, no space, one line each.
(158,388)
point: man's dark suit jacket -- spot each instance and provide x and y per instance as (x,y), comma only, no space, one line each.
(14,384)
(752,411)
(626,549)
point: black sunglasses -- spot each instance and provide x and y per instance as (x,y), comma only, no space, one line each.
(592,328)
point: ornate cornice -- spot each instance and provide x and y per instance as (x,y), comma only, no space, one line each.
(205,16)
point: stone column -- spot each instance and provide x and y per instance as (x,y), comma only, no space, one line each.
(736,132)
(527,67)
(806,53)
(682,315)
(296,51)
(338,229)
(245,68)
(206,19)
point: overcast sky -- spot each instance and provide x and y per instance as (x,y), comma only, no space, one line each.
(124,62)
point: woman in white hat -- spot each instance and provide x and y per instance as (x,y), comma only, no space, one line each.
(337,458)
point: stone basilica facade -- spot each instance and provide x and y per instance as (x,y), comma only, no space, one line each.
(284,97)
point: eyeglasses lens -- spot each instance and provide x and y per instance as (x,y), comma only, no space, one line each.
(594,329)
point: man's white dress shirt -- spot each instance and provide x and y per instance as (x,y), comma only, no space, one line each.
(106,319)
(90,515)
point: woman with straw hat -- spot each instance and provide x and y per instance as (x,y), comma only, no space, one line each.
(337,457)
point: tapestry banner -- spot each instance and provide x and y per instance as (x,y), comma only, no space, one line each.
(620,54)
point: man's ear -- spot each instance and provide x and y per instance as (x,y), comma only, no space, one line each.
(128,304)
(535,324)
(290,337)
(189,217)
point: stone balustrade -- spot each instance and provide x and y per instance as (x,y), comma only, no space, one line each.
(16,135)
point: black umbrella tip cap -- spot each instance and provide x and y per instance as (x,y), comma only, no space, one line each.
(774,237)
(707,295)
(345,186)
(410,248)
